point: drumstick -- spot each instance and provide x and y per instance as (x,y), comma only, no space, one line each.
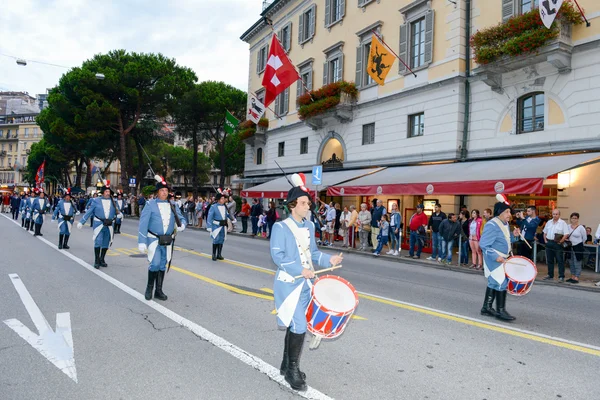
(525,240)
(322,270)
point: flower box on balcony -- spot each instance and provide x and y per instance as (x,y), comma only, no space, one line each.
(253,134)
(332,103)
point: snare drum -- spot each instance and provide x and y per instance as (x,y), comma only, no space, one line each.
(521,273)
(331,306)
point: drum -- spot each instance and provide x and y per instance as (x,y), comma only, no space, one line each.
(331,306)
(521,273)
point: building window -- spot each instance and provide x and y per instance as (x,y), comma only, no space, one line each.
(528,5)
(259,156)
(285,37)
(304,145)
(416,125)
(261,59)
(416,36)
(306,24)
(24,145)
(26,132)
(282,102)
(10,147)
(363,51)
(9,162)
(24,161)
(16,135)
(215,180)
(1,161)
(531,113)
(305,83)
(334,11)
(368,136)
(35,132)
(8,133)
(281,149)
(333,68)
(260,95)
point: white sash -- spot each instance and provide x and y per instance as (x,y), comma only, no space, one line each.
(499,274)
(302,236)
(215,231)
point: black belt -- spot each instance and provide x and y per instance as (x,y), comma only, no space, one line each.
(106,222)
(163,240)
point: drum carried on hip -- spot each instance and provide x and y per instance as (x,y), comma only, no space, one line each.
(331,306)
(521,273)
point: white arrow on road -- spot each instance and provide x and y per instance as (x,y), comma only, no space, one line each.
(57,346)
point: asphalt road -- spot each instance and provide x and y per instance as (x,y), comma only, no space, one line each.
(417,332)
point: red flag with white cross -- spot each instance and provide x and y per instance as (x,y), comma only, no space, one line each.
(279,72)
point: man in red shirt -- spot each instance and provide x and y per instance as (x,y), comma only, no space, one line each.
(417,226)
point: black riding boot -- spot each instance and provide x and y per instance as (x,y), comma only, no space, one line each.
(487,309)
(97,257)
(158,293)
(219,248)
(37,230)
(150,285)
(22,223)
(65,242)
(293,375)
(26,225)
(501,313)
(117,228)
(214,255)
(60,241)
(102,254)
(32,225)
(284,363)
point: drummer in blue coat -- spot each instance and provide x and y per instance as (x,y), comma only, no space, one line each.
(23,209)
(293,250)
(103,213)
(159,223)
(39,207)
(496,244)
(217,222)
(63,214)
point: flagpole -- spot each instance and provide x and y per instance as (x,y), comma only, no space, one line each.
(274,113)
(587,23)
(389,48)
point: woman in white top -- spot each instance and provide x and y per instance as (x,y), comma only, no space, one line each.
(344,224)
(576,235)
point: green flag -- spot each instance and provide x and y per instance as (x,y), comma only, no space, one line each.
(231,123)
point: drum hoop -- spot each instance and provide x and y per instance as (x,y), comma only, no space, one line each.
(530,263)
(322,307)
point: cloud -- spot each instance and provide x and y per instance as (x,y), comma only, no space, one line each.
(200,34)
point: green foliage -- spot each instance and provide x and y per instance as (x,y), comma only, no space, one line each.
(318,101)
(234,152)
(56,163)
(148,190)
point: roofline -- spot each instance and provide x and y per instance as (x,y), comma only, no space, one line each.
(267,13)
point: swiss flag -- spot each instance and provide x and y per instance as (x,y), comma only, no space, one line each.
(279,72)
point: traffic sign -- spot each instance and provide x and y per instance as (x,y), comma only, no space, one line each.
(317,175)
(131,182)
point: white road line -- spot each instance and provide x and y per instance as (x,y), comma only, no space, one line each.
(247,358)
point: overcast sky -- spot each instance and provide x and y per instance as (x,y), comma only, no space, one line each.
(200,34)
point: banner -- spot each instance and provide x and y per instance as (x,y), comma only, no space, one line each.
(39,176)
(256,109)
(548,11)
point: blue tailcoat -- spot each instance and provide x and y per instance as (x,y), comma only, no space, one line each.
(64,227)
(102,234)
(215,216)
(492,240)
(285,254)
(24,209)
(151,221)
(39,207)
(121,206)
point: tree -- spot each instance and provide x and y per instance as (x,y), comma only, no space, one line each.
(136,86)
(234,152)
(56,163)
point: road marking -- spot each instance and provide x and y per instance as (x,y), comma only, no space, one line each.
(57,346)
(538,337)
(217,341)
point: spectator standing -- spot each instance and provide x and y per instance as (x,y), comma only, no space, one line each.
(417,225)
(352,225)
(475,225)
(231,209)
(528,228)
(272,216)
(436,240)
(554,236)
(364,226)
(449,230)
(464,250)
(255,213)
(378,212)
(141,203)
(576,235)
(384,230)
(244,214)
(344,226)
(15,204)
(395,229)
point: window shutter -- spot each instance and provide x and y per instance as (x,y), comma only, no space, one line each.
(313,18)
(309,84)
(277,101)
(300,28)
(342,8)
(359,69)
(258,57)
(508,9)
(429,37)
(288,37)
(286,102)
(341,67)
(403,51)
(298,91)
(327,13)
(325,71)
(361,2)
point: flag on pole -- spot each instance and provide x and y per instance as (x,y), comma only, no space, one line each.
(256,109)
(380,61)
(39,176)
(279,72)
(231,123)
(548,11)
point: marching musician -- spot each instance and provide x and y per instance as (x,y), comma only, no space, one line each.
(103,212)
(29,210)
(158,224)
(496,246)
(293,250)
(121,207)
(39,207)
(23,209)
(217,220)
(64,213)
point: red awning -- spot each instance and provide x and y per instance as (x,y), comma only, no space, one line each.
(517,175)
(278,188)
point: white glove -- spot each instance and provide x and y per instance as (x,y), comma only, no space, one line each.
(142,247)
(54,220)
(79,225)
(234,221)
(77,213)
(119,215)
(181,228)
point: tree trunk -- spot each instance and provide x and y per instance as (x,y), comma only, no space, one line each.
(123,160)
(140,167)
(88,175)
(222,155)
(78,169)
(195,164)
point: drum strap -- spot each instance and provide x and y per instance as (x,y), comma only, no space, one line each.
(302,237)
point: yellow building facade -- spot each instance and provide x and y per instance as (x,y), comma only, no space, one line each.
(17,134)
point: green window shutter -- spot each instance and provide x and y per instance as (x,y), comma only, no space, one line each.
(342,8)
(325,71)
(277,101)
(327,13)
(341,67)
(359,67)
(288,37)
(300,28)
(429,22)
(286,101)
(313,18)
(309,84)
(508,9)
(403,51)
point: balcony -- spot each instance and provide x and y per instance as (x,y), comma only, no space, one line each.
(340,114)
(331,104)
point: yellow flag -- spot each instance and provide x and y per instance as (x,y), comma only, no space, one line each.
(380,61)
